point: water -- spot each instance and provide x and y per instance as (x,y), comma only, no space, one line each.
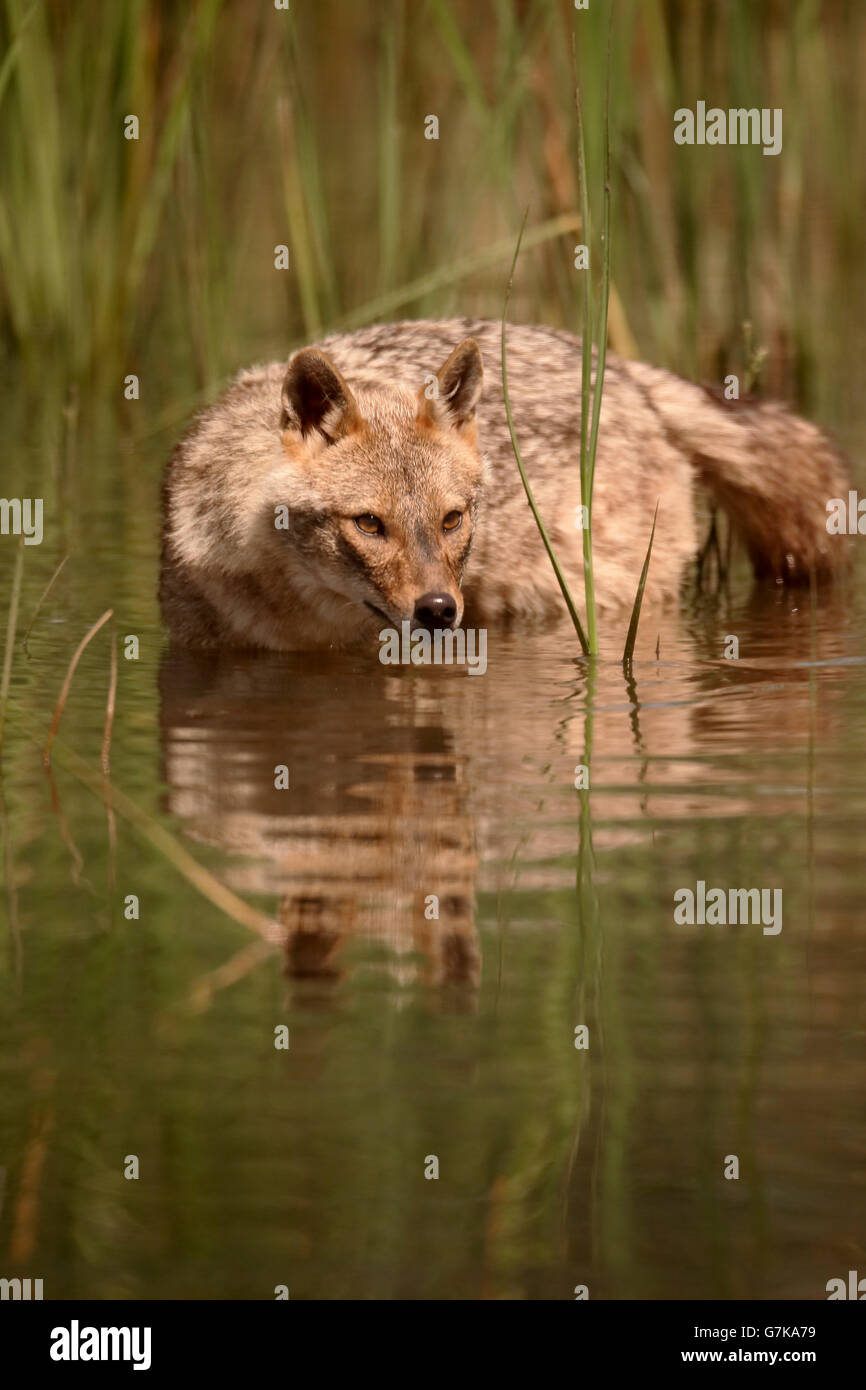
(411,1037)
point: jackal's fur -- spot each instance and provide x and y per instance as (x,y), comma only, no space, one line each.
(348,431)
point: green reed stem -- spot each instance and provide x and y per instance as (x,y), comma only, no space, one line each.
(560,577)
(586,462)
(631,636)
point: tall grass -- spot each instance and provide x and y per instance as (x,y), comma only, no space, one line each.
(82,208)
(306,127)
(590,405)
(589,425)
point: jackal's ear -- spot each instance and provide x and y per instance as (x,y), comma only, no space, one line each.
(316,397)
(451,399)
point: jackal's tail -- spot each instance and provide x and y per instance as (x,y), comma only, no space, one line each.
(772,471)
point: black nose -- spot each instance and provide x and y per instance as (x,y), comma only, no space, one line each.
(435,610)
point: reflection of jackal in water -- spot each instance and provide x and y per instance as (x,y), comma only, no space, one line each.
(424,783)
(314,505)
(372,839)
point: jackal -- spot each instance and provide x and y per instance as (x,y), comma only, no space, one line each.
(372,481)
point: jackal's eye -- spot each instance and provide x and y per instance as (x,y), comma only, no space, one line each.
(370,525)
(452,521)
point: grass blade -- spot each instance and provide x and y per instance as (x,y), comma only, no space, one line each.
(61,703)
(631,636)
(561,580)
(11,624)
(109,705)
(605,286)
(43,596)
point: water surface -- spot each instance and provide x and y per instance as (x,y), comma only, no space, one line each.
(414,1037)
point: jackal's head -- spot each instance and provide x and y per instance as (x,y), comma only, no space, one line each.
(382,485)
